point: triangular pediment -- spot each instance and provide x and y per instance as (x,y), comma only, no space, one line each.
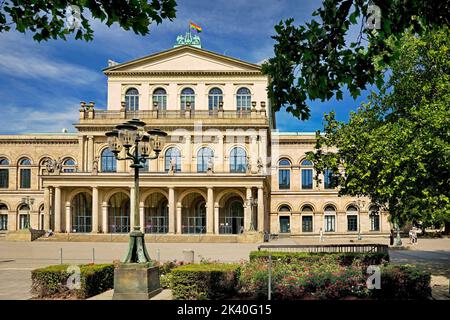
(182,59)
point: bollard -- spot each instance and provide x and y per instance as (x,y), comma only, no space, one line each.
(188,255)
(158,255)
(60,256)
(93,255)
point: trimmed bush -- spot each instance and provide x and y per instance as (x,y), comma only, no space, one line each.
(204,281)
(403,282)
(303,280)
(344,259)
(51,282)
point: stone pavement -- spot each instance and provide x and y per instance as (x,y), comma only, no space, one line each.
(17,259)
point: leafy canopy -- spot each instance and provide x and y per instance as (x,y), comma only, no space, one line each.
(396,147)
(49,19)
(317,61)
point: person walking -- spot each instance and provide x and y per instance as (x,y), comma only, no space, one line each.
(391,238)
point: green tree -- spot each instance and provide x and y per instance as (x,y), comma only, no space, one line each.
(317,61)
(395,148)
(52,19)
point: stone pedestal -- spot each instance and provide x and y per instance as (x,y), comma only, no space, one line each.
(136,281)
(250,237)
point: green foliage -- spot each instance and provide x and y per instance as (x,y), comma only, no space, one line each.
(52,281)
(204,281)
(47,19)
(403,282)
(396,148)
(317,61)
(300,279)
(343,259)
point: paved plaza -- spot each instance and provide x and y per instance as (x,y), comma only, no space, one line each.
(17,259)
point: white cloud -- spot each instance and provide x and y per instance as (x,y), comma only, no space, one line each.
(23,58)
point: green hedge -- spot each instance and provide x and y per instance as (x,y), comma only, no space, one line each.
(51,281)
(204,281)
(403,282)
(344,259)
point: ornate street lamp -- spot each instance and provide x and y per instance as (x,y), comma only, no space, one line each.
(123,138)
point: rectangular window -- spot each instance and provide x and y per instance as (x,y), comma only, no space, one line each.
(374,222)
(3,222)
(307,225)
(327,179)
(330,223)
(25,178)
(4,178)
(284,179)
(352,223)
(307,179)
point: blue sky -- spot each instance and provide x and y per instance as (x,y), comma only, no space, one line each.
(41,84)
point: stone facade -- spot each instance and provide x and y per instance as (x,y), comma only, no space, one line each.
(218,173)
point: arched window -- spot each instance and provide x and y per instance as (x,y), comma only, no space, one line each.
(109,162)
(374,216)
(172,153)
(132,99)
(238,160)
(307,218)
(215,96)
(82,212)
(25,173)
(4,173)
(119,213)
(69,165)
(243,99)
(307,174)
(284,174)
(284,208)
(204,156)
(3,217)
(24,216)
(352,218)
(187,95)
(160,98)
(330,218)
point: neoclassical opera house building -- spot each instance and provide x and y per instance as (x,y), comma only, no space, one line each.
(225,171)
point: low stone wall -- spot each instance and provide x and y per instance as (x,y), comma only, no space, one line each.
(24,235)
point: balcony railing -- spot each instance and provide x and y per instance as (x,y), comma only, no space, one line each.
(91,114)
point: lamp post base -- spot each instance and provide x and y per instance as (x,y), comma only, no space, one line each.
(136,281)
(137,252)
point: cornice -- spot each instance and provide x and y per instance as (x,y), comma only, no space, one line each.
(186,73)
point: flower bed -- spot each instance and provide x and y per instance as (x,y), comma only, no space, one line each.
(206,281)
(52,281)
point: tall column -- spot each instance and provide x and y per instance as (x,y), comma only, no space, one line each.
(216,218)
(220,156)
(68,220)
(263,146)
(142,216)
(105,217)
(171,205)
(260,209)
(253,152)
(132,220)
(81,160)
(95,206)
(47,202)
(248,210)
(187,154)
(178,220)
(210,211)
(57,209)
(90,157)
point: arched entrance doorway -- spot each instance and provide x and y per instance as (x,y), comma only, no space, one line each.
(156,214)
(193,215)
(24,216)
(81,208)
(231,216)
(119,213)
